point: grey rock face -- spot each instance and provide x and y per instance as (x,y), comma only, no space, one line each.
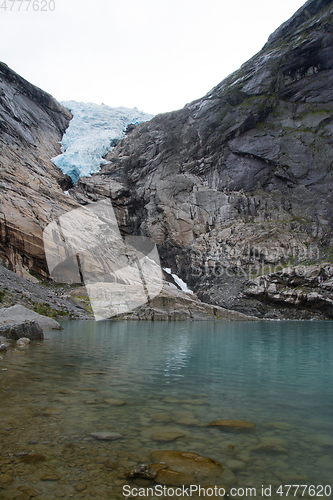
(31,125)
(17,290)
(175,305)
(27,329)
(19,314)
(239,182)
(310,8)
(307,286)
(233,188)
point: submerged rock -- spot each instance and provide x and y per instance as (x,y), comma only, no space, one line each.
(233,425)
(167,436)
(158,466)
(271,445)
(33,458)
(23,342)
(142,471)
(235,465)
(189,421)
(283,426)
(169,477)
(188,463)
(110,465)
(6,479)
(106,436)
(80,487)
(114,402)
(50,477)
(321,439)
(162,418)
(270,448)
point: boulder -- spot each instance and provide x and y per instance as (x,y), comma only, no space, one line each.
(188,463)
(26,329)
(19,314)
(142,471)
(169,477)
(23,342)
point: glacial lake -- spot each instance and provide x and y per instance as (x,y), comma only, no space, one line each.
(153,381)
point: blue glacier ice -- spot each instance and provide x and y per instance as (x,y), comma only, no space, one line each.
(94,130)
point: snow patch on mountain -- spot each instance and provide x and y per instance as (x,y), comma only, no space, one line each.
(182,285)
(94,130)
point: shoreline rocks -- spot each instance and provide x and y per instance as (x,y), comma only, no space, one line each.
(23,342)
(27,329)
(19,314)
(142,471)
(188,463)
(176,305)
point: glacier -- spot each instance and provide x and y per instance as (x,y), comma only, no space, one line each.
(93,131)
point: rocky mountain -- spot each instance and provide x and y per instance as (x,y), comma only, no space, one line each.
(34,193)
(236,187)
(32,188)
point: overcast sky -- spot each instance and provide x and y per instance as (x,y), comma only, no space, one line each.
(155,55)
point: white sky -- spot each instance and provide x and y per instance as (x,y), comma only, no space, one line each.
(155,55)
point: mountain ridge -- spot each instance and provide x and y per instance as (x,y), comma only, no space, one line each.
(32,123)
(247,165)
(234,188)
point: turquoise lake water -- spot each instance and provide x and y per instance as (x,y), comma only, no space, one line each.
(142,379)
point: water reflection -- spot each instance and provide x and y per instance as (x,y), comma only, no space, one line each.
(143,378)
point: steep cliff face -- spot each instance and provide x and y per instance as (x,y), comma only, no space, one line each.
(237,185)
(32,124)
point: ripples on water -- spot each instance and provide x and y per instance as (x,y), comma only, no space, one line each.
(173,377)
